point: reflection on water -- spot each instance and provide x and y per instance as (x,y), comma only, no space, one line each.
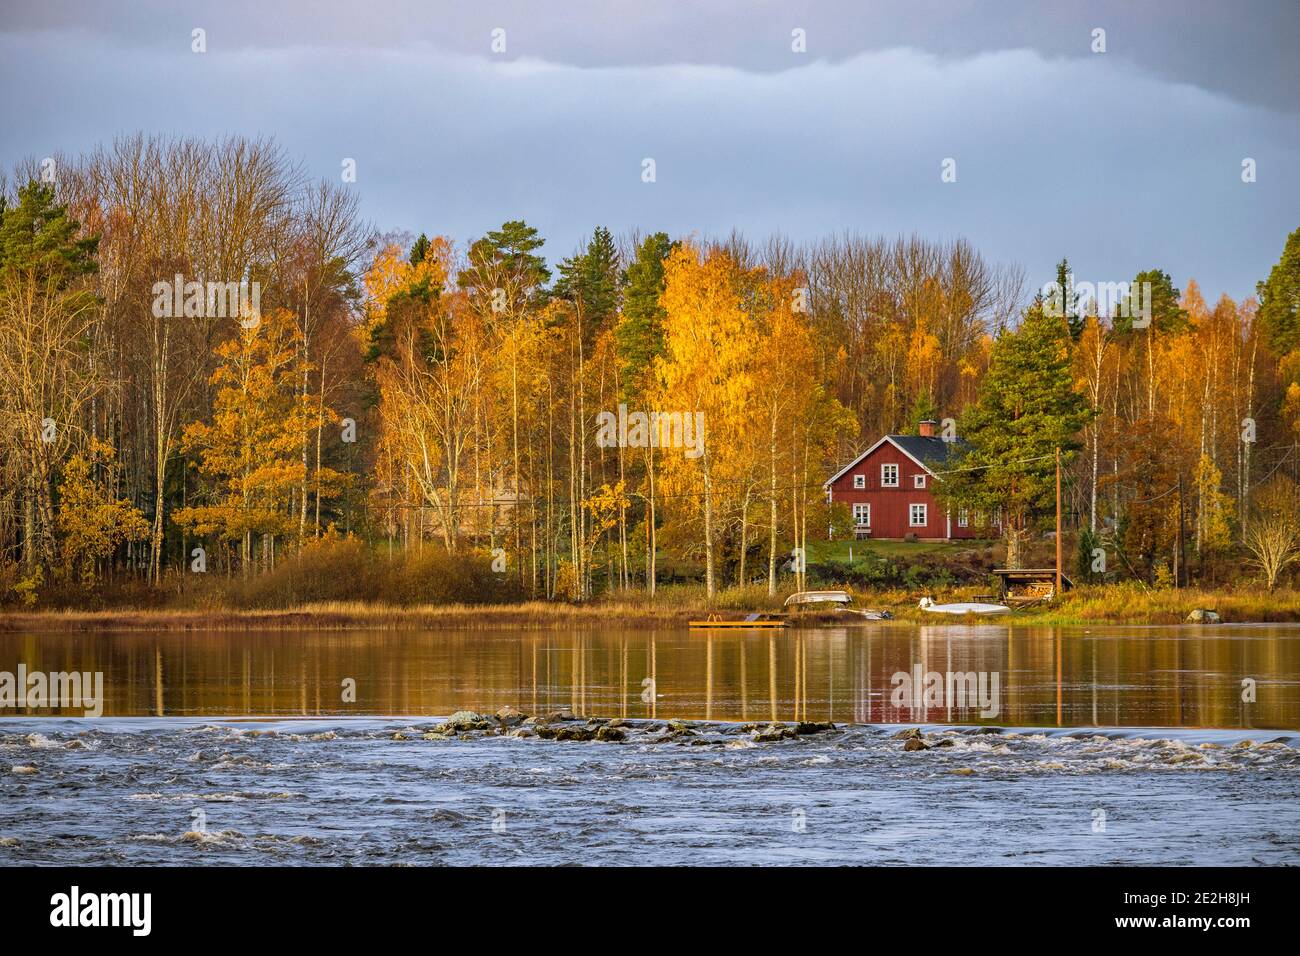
(1100,676)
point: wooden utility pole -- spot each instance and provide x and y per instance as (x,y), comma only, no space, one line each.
(1058,522)
(1180,559)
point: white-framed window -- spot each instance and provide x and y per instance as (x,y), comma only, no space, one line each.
(963,518)
(916,515)
(888,476)
(918,481)
(859,481)
(862,514)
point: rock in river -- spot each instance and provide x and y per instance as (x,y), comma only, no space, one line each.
(468,720)
(813,727)
(509,716)
(773,733)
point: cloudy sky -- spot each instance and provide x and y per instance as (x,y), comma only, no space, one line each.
(1122,160)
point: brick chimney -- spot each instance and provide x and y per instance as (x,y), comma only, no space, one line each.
(925,428)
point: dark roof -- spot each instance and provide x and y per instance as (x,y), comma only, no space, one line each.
(934,453)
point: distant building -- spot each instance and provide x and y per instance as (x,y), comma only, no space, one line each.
(889,488)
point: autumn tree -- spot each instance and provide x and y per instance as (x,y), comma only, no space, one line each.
(250,453)
(47,377)
(1273,537)
(92,520)
(705,371)
(1026,409)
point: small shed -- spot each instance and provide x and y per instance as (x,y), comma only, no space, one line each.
(1028,585)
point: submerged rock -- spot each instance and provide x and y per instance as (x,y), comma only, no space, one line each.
(915,743)
(547,732)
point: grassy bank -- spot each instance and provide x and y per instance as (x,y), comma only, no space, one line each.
(672,607)
(533,615)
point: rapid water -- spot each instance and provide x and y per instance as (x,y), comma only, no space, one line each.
(363,791)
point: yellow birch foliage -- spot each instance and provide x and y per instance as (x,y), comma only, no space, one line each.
(92,521)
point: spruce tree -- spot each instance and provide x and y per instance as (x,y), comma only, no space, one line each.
(1279,299)
(639,336)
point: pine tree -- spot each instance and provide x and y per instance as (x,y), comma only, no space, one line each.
(39,238)
(511,251)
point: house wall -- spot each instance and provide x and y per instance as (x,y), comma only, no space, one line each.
(890,506)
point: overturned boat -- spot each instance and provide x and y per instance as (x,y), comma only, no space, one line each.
(840,602)
(962,607)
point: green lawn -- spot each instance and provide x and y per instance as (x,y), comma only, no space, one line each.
(823,550)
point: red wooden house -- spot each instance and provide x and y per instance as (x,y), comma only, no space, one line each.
(889,488)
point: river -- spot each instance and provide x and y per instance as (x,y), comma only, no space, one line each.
(1103,745)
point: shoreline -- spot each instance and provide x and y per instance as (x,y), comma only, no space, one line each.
(359,617)
(541,615)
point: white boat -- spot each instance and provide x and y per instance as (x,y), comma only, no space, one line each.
(963,607)
(818,597)
(841,601)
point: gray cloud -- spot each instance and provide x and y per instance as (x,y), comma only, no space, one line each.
(1115,160)
(1245,50)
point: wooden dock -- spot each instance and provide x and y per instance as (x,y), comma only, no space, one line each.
(719,623)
